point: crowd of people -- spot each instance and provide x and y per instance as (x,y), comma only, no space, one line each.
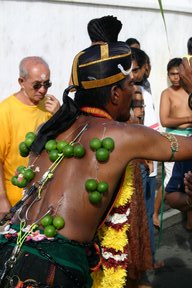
(85,216)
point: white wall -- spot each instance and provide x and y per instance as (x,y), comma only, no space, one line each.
(57,30)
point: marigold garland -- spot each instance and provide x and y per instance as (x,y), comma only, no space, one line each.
(114,241)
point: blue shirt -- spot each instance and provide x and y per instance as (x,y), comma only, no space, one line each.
(176,182)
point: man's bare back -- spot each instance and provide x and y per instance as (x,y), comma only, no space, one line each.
(65,193)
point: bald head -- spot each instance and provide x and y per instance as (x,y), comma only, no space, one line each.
(29,63)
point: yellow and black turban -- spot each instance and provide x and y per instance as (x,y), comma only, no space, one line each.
(101,65)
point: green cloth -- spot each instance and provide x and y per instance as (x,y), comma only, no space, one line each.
(180,132)
(62,250)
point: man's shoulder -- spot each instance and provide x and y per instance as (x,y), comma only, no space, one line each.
(167,91)
(5,103)
(7,100)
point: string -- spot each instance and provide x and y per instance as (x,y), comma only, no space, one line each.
(162,206)
(165,25)
(22,237)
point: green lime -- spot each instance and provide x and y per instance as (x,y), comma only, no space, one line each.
(102,186)
(21,169)
(28,141)
(53,155)
(78,151)
(95,197)
(23,149)
(58,222)
(50,231)
(30,135)
(21,183)
(51,145)
(14,180)
(68,151)
(47,220)
(60,145)
(29,174)
(102,155)
(24,154)
(95,144)
(108,143)
(91,185)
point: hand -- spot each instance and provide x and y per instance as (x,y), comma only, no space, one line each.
(52,104)
(150,166)
(185,71)
(4,205)
(188,183)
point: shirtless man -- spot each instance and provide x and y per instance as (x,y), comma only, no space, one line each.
(176,116)
(101,109)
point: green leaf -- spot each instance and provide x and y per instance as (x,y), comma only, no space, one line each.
(164,21)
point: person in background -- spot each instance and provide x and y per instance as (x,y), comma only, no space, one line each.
(176,117)
(132,42)
(140,68)
(22,112)
(179,188)
(138,108)
(139,237)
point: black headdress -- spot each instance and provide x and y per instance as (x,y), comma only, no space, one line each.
(101,65)
(104,29)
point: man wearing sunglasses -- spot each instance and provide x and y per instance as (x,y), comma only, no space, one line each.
(20,113)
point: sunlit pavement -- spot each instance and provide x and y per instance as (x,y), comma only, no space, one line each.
(176,251)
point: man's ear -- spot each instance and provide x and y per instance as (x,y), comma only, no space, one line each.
(21,80)
(115,94)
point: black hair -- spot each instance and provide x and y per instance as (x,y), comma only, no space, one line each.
(139,56)
(132,41)
(175,62)
(189,46)
(97,97)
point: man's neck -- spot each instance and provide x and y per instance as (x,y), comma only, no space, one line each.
(24,98)
(97,112)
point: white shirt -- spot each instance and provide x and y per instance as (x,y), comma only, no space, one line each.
(150,119)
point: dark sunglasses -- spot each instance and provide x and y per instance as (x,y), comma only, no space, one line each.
(38,85)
